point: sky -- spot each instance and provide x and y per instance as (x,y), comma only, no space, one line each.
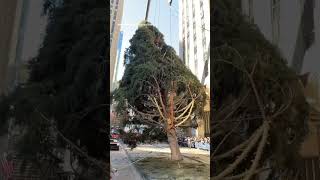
(159,15)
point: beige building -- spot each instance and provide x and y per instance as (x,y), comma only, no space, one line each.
(116,11)
(10,13)
(21,31)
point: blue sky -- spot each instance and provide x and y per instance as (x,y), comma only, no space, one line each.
(159,15)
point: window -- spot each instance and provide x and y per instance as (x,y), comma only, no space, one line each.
(205,56)
(196,65)
(195,49)
(202,15)
(204,41)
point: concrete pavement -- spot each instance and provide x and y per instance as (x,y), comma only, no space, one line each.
(125,169)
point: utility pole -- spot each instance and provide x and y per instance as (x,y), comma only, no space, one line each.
(147,11)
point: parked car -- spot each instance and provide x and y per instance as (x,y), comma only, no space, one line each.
(114,144)
(115,133)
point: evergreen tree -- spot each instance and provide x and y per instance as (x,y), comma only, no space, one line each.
(67,88)
(260,112)
(157,87)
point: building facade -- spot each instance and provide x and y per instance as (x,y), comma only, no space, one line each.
(118,62)
(194,47)
(21,34)
(10,11)
(116,11)
(294,27)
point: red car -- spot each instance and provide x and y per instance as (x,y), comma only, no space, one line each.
(115,133)
(115,136)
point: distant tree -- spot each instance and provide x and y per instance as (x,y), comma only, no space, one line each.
(157,87)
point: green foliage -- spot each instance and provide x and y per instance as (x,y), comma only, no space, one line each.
(241,44)
(149,58)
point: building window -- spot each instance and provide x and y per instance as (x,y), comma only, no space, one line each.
(205,56)
(195,49)
(203,27)
(195,65)
(202,15)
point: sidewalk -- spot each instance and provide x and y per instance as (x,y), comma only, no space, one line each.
(125,170)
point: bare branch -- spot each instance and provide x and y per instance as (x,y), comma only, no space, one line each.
(243,155)
(237,148)
(186,117)
(185,111)
(240,176)
(259,151)
(224,138)
(154,100)
(95,162)
(160,97)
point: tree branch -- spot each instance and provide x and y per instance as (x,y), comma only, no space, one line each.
(160,97)
(186,117)
(243,155)
(259,152)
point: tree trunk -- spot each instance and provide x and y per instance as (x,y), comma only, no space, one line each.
(173,143)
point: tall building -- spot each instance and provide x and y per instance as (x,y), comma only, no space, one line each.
(118,61)
(116,10)
(21,31)
(294,27)
(194,45)
(10,11)
(194,35)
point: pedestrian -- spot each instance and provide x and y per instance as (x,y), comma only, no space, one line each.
(189,142)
